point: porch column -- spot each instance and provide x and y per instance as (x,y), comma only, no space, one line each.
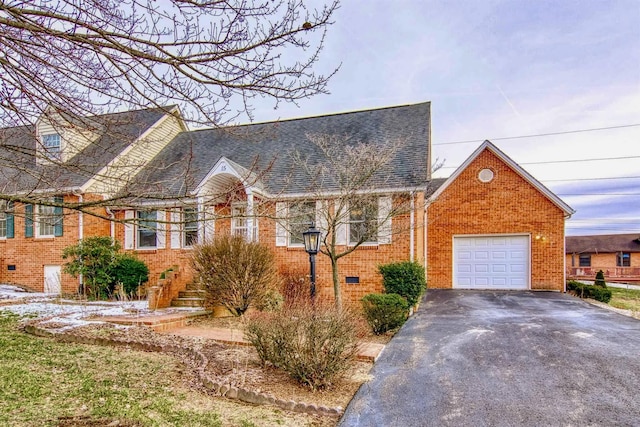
(250,218)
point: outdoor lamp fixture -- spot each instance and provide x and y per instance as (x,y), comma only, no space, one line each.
(311,239)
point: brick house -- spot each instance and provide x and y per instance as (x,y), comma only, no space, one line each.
(490,225)
(617,255)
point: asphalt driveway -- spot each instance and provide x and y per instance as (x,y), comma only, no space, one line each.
(486,358)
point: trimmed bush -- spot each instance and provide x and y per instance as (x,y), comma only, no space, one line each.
(314,345)
(600,279)
(129,271)
(385,312)
(589,291)
(234,273)
(405,279)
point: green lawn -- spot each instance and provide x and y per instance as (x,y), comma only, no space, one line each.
(625,298)
(44,383)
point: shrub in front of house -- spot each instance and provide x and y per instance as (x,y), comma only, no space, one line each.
(406,279)
(233,272)
(130,272)
(295,286)
(582,290)
(93,258)
(385,312)
(315,344)
(600,279)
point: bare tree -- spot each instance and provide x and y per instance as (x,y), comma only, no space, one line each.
(73,64)
(90,57)
(349,182)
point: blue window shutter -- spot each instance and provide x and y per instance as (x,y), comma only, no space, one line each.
(57,211)
(9,216)
(28,220)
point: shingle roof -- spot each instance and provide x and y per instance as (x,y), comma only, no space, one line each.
(266,148)
(20,172)
(606,243)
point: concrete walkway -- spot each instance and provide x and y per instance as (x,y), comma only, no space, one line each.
(486,358)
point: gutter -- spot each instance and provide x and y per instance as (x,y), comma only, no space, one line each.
(80,195)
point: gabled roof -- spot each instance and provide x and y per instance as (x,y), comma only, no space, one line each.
(20,172)
(265,150)
(605,243)
(487,145)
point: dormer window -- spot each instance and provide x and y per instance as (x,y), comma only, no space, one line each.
(51,144)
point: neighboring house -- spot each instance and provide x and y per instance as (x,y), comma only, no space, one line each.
(617,255)
(490,225)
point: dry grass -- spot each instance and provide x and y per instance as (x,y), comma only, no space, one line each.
(626,299)
(48,383)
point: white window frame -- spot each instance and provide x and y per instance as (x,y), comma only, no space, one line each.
(239,213)
(40,221)
(351,221)
(193,229)
(3,225)
(139,228)
(3,219)
(52,151)
(304,224)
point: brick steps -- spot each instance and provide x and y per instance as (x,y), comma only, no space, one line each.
(193,296)
(187,302)
(159,323)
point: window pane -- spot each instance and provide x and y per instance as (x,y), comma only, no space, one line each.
(190,219)
(301,216)
(51,144)
(3,218)
(46,220)
(363,222)
(147,226)
(585,260)
(624,259)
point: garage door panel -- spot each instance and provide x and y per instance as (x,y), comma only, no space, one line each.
(481,268)
(491,262)
(498,268)
(499,255)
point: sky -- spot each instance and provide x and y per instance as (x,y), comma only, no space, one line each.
(498,70)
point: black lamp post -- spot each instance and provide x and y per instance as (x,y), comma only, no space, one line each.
(311,239)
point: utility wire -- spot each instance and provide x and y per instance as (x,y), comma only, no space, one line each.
(548,162)
(597,194)
(538,135)
(589,179)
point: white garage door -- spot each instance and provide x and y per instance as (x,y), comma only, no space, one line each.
(491,262)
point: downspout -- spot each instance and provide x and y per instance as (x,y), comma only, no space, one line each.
(80,197)
(412,227)
(425,234)
(112,222)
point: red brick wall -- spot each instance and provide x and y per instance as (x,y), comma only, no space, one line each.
(362,263)
(30,255)
(508,204)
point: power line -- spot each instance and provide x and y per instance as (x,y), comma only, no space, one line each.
(538,135)
(589,179)
(580,160)
(597,194)
(548,162)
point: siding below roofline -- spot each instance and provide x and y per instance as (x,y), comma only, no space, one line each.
(127,164)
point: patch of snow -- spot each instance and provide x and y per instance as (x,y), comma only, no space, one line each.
(15,292)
